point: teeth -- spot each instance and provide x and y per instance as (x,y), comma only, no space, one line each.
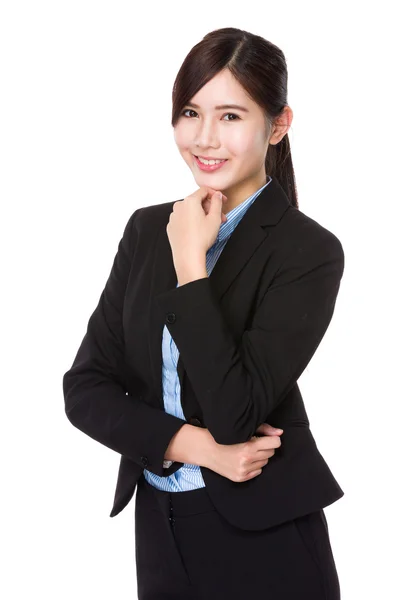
(210,162)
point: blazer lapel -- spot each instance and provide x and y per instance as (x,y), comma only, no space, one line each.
(249,234)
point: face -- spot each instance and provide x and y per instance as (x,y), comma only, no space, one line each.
(237,135)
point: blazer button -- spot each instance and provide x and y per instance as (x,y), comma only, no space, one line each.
(144,460)
(194,421)
(170,317)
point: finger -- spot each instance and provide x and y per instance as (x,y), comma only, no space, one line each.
(203,193)
(266,442)
(267,429)
(212,191)
(200,195)
(206,208)
(216,204)
(253,474)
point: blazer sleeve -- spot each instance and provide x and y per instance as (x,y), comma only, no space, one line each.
(239,385)
(96,401)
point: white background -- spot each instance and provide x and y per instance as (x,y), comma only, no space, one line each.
(85,139)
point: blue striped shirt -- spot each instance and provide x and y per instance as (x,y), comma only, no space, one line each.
(189,477)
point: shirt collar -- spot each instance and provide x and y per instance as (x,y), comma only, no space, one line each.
(234,216)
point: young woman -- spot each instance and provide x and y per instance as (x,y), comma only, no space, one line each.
(214,306)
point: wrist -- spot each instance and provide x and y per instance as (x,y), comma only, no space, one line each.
(192,445)
(190,270)
(208,448)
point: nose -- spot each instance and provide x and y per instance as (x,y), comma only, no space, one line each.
(207,135)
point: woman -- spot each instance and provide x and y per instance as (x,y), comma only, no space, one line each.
(213,308)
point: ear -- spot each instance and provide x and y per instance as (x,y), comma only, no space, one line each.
(281,125)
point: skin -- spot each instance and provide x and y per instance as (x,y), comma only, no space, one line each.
(241,137)
(238,136)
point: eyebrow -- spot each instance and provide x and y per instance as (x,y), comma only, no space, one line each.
(221,106)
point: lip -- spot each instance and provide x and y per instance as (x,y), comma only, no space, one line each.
(209,157)
(208,167)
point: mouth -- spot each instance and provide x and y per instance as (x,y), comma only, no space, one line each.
(208,167)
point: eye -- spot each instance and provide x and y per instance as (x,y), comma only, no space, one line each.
(190,110)
(233,115)
(186,110)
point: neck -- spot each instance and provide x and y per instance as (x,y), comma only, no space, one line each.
(242,190)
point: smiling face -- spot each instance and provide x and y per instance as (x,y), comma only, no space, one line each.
(238,135)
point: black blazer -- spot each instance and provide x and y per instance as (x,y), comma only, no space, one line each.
(245,334)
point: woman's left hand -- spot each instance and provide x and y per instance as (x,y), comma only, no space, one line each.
(266,429)
(194,224)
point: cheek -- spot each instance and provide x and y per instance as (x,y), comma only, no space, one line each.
(244,144)
(182,139)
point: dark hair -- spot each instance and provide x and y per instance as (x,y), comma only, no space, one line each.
(260,67)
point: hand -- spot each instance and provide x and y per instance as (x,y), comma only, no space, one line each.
(244,461)
(207,203)
(194,224)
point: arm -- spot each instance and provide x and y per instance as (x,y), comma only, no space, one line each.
(192,445)
(238,386)
(96,401)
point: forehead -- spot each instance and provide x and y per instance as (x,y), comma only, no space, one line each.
(222,91)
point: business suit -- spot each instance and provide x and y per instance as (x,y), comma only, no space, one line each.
(262,313)
(189,476)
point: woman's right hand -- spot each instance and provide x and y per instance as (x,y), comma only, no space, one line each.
(244,461)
